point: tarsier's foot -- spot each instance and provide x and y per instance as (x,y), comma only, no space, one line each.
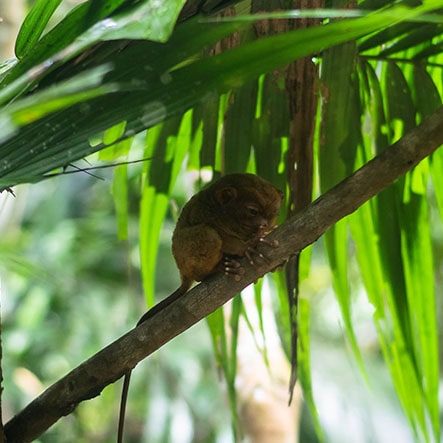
(233,267)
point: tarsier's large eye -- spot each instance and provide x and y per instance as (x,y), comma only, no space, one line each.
(252,211)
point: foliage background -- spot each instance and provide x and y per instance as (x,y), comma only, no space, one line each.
(64,269)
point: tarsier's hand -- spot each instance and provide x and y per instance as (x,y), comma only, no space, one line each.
(234,268)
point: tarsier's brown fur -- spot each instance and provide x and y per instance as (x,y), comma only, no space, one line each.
(226,220)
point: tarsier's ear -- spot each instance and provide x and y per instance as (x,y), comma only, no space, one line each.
(226,195)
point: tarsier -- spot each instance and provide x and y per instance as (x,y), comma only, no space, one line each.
(221,223)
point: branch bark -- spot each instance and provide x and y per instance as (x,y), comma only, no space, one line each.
(91,377)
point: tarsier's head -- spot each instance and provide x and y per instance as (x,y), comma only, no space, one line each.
(250,202)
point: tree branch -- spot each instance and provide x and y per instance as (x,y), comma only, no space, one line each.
(91,377)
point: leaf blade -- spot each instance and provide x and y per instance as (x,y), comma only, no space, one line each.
(34,25)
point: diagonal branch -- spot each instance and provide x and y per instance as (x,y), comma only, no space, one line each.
(91,377)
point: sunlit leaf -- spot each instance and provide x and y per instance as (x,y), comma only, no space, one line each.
(33,25)
(120,194)
(418,261)
(304,362)
(148,20)
(222,349)
(420,34)
(337,160)
(153,207)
